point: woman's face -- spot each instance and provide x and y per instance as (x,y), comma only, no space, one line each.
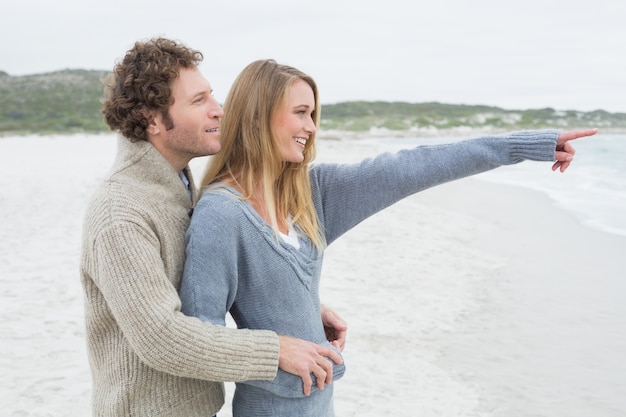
(293,122)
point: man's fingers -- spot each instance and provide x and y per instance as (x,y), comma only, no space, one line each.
(335,327)
(306,359)
(321,376)
(330,354)
(307,383)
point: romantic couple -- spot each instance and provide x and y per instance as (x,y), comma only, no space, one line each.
(163,262)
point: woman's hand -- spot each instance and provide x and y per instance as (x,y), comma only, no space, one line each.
(565,151)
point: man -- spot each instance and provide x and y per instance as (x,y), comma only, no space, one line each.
(146,357)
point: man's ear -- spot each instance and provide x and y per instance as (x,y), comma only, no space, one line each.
(154,122)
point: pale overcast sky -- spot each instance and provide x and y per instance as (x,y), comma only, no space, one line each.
(514,54)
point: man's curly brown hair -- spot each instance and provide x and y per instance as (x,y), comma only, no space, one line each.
(142,82)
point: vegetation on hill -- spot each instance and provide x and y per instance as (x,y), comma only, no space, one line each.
(425,117)
(59,102)
(69,101)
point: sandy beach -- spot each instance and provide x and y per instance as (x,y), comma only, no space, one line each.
(469,299)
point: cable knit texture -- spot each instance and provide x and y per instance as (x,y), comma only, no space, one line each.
(146,357)
(235,262)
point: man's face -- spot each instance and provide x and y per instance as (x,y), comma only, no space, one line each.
(194,116)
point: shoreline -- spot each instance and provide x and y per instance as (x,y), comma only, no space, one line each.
(457,326)
(551,329)
(431,132)
(448,271)
(373,133)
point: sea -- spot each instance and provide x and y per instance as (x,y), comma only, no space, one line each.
(558,348)
(593,188)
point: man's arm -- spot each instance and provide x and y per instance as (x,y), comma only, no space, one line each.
(130,274)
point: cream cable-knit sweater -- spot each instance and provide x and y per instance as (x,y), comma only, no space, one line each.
(146,357)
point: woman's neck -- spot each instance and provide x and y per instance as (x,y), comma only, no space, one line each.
(257,201)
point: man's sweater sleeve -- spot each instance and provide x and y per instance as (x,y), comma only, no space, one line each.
(146,306)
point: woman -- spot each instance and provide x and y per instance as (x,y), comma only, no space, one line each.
(257,236)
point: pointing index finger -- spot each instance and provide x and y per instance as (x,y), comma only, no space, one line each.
(575,134)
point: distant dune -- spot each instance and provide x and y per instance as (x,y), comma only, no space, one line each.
(69,101)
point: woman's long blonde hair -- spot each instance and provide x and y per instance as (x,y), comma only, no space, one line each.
(250,155)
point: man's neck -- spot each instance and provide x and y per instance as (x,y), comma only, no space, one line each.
(177,161)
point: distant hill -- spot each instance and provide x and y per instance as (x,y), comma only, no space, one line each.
(69,101)
(439,118)
(59,102)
